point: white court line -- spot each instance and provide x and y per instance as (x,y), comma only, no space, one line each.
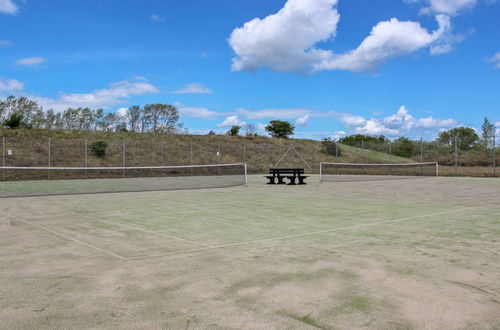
(303,234)
(70,238)
(135,228)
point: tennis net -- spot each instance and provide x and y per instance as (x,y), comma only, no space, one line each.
(364,172)
(42,181)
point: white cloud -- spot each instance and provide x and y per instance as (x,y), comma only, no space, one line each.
(285,41)
(273,113)
(449,7)
(194,88)
(8,7)
(441,49)
(302,121)
(122,112)
(387,39)
(156,18)
(338,134)
(198,112)
(495,59)
(117,93)
(399,123)
(31,61)
(6,43)
(231,121)
(10,85)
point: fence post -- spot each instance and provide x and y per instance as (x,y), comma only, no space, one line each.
(363,151)
(3,158)
(124,159)
(86,159)
(456,155)
(191,153)
(494,155)
(421,150)
(390,157)
(48,157)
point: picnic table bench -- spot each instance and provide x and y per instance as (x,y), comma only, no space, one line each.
(281,174)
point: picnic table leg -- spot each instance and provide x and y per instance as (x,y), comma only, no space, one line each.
(271,180)
(281,180)
(292,180)
(301,180)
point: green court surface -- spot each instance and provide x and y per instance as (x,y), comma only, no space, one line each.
(382,254)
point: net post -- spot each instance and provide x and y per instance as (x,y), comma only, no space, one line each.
(437,169)
(246,174)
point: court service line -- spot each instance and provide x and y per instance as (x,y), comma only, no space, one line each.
(70,238)
(137,228)
(303,234)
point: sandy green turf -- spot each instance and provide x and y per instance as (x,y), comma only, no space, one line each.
(396,254)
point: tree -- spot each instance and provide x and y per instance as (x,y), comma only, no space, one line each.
(249,130)
(488,133)
(280,128)
(403,147)
(467,137)
(234,130)
(134,117)
(15,120)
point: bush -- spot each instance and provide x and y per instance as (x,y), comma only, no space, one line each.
(99,148)
(330,147)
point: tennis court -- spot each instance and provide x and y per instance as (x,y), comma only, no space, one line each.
(384,254)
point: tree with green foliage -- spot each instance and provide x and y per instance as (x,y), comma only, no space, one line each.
(466,136)
(488,133)
(280,129)
(234,130)
(98,148)
(403,147)
(15,120)
(356,139)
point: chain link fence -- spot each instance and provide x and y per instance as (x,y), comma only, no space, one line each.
(259,155)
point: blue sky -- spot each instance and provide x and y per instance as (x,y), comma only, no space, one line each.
(332,67)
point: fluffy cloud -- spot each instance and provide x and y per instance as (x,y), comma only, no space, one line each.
(117,93)
(8,7)
(285,41)
(31,61)
(194,88)
(198,112)
(399,123)
(231,121)
(273,113)
(10,85)
(495,59)
(386,40)
(302,121)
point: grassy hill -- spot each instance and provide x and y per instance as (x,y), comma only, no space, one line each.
(72,148)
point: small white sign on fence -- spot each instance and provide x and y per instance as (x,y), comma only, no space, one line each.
(9,152)
(218,154)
